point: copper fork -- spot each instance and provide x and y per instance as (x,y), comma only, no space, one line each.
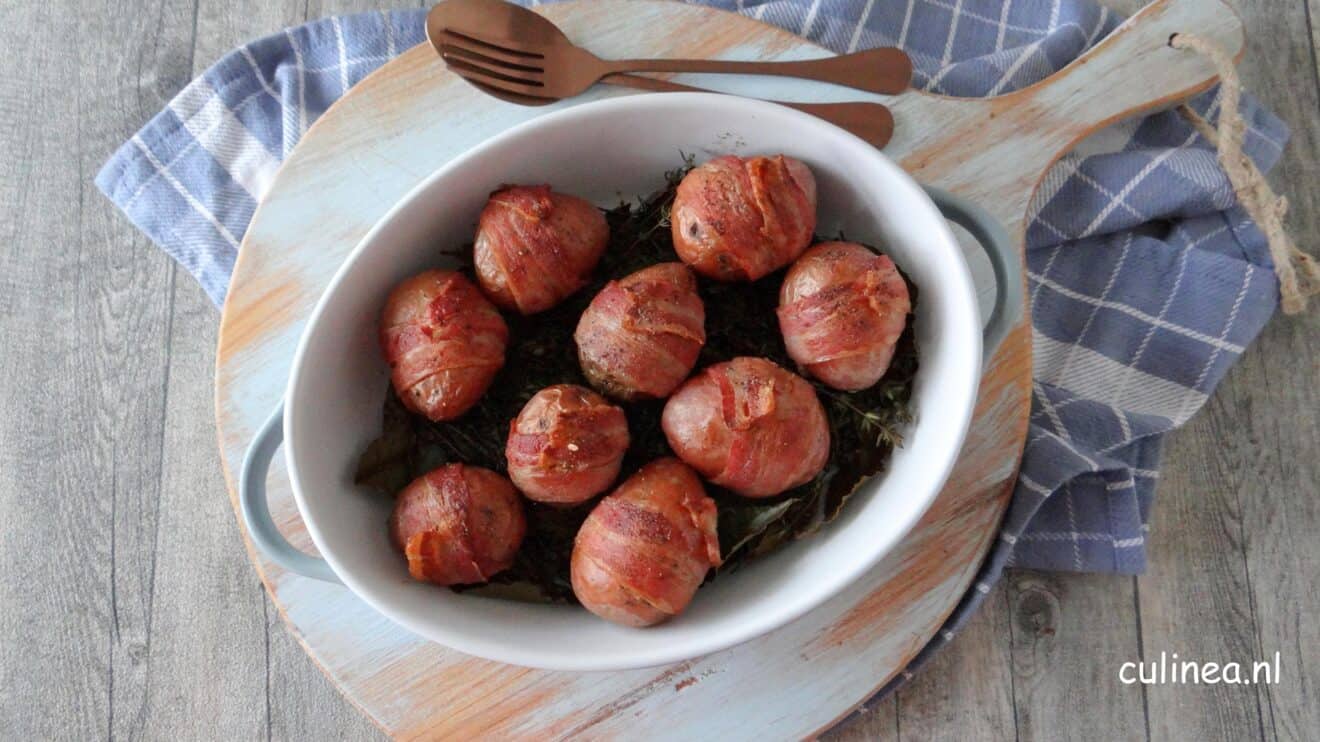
(509,48)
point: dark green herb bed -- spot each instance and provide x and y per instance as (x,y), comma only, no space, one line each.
(740,321)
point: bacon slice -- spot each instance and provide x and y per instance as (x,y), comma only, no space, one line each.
(535,247)
(566,445)
(458,525)
(444,343)
(641,335)
(644,550)
(738,219)
(842,309)
(749,425)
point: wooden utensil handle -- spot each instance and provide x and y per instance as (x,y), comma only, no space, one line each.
(885,70)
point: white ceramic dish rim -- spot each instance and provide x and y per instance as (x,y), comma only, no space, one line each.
(961,386)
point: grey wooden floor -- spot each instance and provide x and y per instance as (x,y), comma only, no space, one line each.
(127,605)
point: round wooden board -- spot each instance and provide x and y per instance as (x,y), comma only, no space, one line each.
(391,131)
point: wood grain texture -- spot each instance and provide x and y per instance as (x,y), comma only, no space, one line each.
(283,694)
(966,693)
(1016,137)
(81,402)
(59,463)
(1069,638)
(1230,575)
(854,644)
(1266,411)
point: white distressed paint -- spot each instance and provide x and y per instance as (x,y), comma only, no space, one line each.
(346,175)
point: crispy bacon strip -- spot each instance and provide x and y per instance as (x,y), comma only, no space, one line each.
(641,335)
(535,247)
(566,445)
(443,342)
(749,425)
(842,309)
(738,219)
(641,554)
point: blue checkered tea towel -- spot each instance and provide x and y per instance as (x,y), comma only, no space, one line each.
(1146,280)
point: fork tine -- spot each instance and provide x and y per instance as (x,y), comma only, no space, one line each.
(522,100)
(513,48)
(505,80)
(467,44)
(473,73)
(512,71)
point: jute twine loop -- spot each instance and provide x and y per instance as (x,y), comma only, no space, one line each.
(1298,272)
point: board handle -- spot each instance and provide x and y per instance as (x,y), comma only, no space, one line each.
(256,509)
(1113,79)
(1005,262)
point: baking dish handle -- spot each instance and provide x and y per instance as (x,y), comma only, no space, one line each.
(256,510)
(1004,261)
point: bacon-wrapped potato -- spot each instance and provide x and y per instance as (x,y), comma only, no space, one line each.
(641,335)
(749,425)
(535,247)
(842,309)
(566,445)
(645,549)
(738,219)
(443,341)
(458,525)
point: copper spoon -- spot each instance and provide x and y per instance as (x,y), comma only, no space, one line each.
(872,122)
(512,49)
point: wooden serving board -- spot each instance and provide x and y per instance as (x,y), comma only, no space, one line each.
(411,117)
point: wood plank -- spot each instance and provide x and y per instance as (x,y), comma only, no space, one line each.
(1313,30)
(966,691)
(297,700)
(170,614)
(223,25)
(1195,598)
(207,610)
(86,309)
(1070,635)
(207,655)
(209,617)
(1233,563)
(1264,420)
(69,633)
